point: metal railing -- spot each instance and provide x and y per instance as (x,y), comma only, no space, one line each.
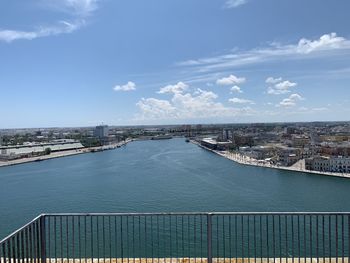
(174,237)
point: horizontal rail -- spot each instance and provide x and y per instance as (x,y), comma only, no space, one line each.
(196,213)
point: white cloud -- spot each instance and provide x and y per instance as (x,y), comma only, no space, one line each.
(177,88)
(126,87)
(279,86)
(291,101)
(241,101)
(152,108)
(306,110)
(284,85)
(79,9)
(236,89)
(200,104)
(235,3)
(230,80)
(327,44)
(63,27)
(271,80)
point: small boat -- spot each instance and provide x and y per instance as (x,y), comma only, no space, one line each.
(187,140)
(97,150)
(162,137)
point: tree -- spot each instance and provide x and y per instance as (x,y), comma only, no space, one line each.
(47,151)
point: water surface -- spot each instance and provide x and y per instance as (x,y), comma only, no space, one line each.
(150,176)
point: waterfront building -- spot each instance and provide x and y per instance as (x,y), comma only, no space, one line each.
(320,163)
(287,156)
(33,149)
(338,164)
(209,143)
(216,145)
(258,152)
(101,131)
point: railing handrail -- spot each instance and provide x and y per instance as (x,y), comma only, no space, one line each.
(211,232)
(20,229)
(194,213)
(166,214)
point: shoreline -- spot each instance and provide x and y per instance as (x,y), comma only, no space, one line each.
(245,160)
(235,157)
(62,154)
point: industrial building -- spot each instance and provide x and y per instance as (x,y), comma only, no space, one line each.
(34,149)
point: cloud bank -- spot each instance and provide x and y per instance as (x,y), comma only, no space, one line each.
(79,10)
(291,101)
(327,44)
(279,86)
(185,105)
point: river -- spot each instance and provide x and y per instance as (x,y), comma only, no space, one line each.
(164,175)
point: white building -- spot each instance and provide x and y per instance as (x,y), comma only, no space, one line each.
(30,149)
(340,165)
(329,164)
(258,152)
(319,164)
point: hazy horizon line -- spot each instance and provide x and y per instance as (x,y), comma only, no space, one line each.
(183,124)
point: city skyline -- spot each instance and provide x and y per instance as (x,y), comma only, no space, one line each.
(83,62)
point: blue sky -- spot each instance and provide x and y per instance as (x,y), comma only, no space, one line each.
(125,62)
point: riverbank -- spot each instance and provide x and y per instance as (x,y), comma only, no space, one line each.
(61,154)
(245,160)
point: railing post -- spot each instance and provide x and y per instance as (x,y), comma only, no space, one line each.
(42,239)
(209,238)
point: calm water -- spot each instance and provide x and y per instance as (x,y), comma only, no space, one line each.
(169,175)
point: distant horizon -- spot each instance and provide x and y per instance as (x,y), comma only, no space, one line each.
(182,124)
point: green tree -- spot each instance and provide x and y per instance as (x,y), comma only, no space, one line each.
(47,151)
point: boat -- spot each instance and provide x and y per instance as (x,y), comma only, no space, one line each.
(97,150)
(162,137)
(187,140)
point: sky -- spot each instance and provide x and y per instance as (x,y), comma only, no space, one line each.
(134,62)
